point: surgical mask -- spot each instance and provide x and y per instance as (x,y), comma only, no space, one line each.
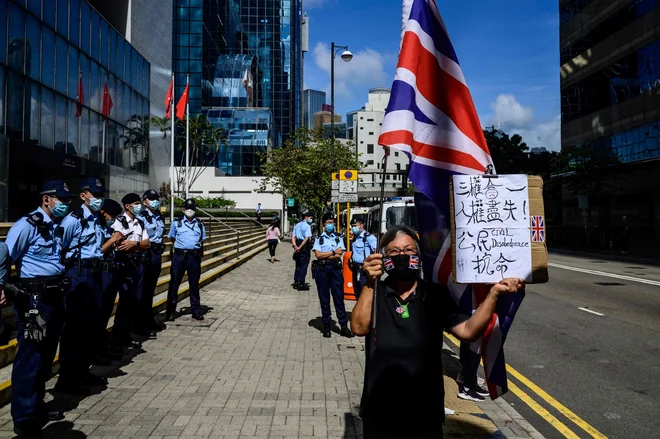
(95,204)
(329,228)
(310,221)
(60,209)
(355,230)
(137,209)
(402,267)
(154,204)
(110,222)
(189,213)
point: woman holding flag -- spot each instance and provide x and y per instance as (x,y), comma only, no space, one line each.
(404,360)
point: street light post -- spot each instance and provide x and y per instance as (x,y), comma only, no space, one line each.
(346,56)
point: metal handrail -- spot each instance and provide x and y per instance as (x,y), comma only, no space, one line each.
(211,216)
(250,218)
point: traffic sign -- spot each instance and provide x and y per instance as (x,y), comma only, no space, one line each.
(348,174)
(335,185)
(291,202)
(348,186)
(347,198)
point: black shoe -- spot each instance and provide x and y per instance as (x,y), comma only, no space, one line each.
(128,342)
(55,415)
(145,333)
(79,389)
(198,317)
(303,287)
(345,332)
(469,394)
(327,331)
(94,380)
(155,326)
(170,316)
(295,285)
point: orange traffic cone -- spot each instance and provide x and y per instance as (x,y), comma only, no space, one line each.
(349,292)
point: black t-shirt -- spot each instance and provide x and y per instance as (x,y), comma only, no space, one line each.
(405,369)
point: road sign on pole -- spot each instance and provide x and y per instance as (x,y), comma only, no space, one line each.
(348,186)
(348,198)
(291,202)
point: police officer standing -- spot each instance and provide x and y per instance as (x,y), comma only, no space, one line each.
(130,254)
(301,242)
(82,238)
(328,248)
(188,236)
(4,269)
(155,225)
(34,244)
(364,244)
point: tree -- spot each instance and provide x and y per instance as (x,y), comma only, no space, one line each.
(302,168)
(509,153)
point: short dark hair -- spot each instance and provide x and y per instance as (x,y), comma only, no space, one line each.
(395,231)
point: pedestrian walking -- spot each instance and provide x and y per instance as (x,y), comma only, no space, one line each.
(82,239)
(258,212)
(328,249)
(301,240)
(404,360)
(188,235)
(364,244)
(34,244)
(273,238)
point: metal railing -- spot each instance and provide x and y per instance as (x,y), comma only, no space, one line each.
(251,219)
(212,217)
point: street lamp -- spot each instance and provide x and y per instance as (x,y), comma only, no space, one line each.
(346,56)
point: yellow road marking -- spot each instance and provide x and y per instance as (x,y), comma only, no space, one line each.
(546,397)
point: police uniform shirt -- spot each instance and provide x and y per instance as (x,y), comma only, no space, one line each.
(364,245)
(302,230)
(134,231)
(4,262)
(330,242)
(155,226)
(189,236)
(35,254)
(91,235)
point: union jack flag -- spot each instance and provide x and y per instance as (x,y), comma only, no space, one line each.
(414,262)
(431,117)
(387,262)
(538,229)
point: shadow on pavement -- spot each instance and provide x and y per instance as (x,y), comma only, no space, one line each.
(62,429)
(352,426)
(317,324)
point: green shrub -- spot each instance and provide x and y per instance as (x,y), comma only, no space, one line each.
(209,203)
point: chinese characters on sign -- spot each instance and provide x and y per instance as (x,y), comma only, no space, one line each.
(492,221)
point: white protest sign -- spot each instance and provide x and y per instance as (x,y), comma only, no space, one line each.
(492,223)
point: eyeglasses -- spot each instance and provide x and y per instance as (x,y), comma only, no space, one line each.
(400,251)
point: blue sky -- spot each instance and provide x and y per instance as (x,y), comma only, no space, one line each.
(508,49)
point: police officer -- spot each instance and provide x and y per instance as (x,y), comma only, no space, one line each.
(188,236)
(131,255)
(34,244)
(301,242)
(364,244)
(105,301)
(4,269)
(328,248)
(155,225)
(82,238)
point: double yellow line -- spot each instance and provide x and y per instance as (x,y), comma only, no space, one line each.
(542,411)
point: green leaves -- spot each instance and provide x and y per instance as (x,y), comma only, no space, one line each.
(302,168)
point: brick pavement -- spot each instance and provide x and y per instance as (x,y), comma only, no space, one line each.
(255,368)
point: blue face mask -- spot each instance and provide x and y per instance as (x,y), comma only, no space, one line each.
(310,221)
(95,204)
(154,204)
(329,228)
(137,209)
(355,230)
(60,209)
(109,223)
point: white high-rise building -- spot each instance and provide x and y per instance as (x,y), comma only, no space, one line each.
(366,127)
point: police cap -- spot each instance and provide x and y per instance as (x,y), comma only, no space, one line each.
(189,204)
(327,216)
(308,214)
(357,219)
(57,188)
(111,207)
(92,184)
(130,199)
(150,195)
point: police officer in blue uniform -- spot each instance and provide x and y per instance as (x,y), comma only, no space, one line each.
(82,238)
(155,225)
(4,269)
(188,236)
(328,249)
(34,244)
(364,244)
(301,240)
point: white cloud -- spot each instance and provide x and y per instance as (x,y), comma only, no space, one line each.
(546,134)
(365,69)
(509,113)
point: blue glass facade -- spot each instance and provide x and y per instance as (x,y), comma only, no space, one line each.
(313,101)
(47,47)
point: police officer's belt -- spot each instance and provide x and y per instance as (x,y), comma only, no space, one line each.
(42,284)
(336,263)
(300,241)
(157,248)
(356,265)
(181,252)
(135,258)
(93,264)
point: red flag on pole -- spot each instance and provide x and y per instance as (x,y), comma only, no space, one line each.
(80,99)
(181,106)
(107,101)
(169,99)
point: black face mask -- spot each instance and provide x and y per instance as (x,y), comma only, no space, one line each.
(402,267)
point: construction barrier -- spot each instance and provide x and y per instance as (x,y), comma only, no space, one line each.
(349,292)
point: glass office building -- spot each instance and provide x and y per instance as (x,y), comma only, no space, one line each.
(241,54)
(49,47)
(313,101)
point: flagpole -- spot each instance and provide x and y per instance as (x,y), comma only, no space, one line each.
(105,121)
(79,104)
(172,120)
(187,139)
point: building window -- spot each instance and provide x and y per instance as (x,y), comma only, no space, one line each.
(378,165)
(398,166)
(387,177)
(371,133)
(361,128)
(361,142)
(396,154)
(370,162)
(370,120)
(370,148)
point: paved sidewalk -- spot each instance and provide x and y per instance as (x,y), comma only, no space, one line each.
(255,368)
